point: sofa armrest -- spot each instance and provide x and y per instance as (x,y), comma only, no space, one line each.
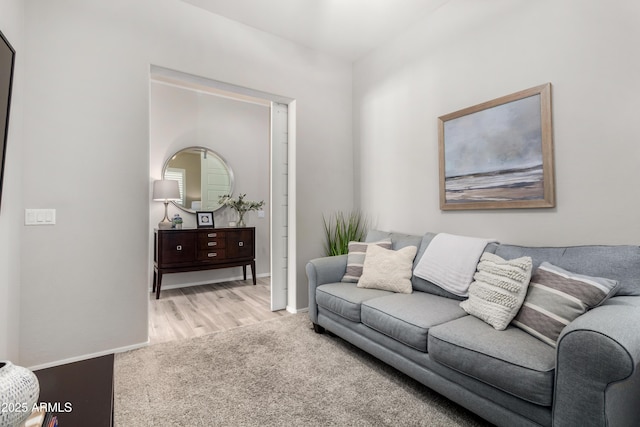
(321,271)
(598,369)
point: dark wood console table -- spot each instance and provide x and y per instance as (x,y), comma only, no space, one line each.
(179,251)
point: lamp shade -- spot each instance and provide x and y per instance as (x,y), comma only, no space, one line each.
(166,189)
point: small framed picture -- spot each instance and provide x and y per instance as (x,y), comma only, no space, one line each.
(205,219)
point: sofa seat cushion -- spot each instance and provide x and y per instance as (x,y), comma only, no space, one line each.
(345,299)
(408,317)
(510,360)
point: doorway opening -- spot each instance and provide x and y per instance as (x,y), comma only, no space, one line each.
(280,169)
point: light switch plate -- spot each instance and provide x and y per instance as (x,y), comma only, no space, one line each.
(39,216)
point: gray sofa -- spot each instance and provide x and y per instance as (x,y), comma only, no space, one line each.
(508,377)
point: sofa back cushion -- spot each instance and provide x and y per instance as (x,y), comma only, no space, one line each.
(398,240)
(617,262)
(620,263)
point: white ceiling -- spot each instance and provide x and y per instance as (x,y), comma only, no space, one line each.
(348,29)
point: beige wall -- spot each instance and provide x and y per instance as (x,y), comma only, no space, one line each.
(11,214)
(469,52)
(87,91)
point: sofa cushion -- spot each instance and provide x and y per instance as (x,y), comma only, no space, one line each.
(408,317)
(556,297)
(620,263)
(510,360)
(398,240)
(356,257)
(498,289)
(344,299)
(387,269)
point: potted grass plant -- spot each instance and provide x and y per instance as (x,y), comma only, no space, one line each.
(342,228)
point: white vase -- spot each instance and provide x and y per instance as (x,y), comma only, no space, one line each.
(19,391)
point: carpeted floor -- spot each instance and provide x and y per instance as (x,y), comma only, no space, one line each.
(277,372)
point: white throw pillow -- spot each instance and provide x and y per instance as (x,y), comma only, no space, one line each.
(498,290)
(387,269)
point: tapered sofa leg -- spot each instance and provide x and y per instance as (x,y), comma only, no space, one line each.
(318,329)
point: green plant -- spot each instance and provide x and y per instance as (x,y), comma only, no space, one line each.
(342,228)
(240,205)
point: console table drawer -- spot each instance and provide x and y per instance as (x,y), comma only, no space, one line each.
(211,240)
(211,255)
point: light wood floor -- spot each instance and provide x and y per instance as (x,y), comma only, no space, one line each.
(199,310)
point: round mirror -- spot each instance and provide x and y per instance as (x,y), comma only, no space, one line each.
(203,176)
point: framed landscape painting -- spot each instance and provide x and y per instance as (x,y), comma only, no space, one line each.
(498,154)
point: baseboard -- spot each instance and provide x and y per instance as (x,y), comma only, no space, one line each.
(208,282)
(89,356)
(296,310)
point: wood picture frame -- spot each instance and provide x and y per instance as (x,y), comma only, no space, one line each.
(498,154)
(204,219)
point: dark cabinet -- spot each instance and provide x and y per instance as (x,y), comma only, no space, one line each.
(178,251)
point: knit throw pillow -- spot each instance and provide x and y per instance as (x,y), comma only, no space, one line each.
(498,289)
(388,270)
(556,297)
(355,258)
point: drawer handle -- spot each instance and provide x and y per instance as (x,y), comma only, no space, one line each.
(212,243)
(179,248)
(240,243)
(212,235)
(212,254)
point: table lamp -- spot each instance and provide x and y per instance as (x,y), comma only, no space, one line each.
(165,190)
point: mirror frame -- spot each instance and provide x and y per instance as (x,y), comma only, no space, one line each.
(209,151)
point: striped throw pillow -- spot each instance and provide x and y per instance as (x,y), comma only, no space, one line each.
(498,289)
(556,297)
(355,258)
